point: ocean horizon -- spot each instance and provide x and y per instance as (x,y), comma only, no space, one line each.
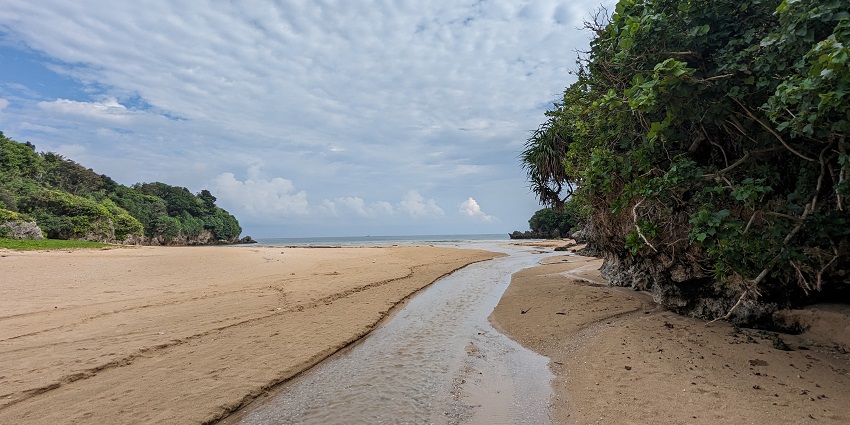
(369,240)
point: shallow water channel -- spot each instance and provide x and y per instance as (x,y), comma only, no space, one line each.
(437,360)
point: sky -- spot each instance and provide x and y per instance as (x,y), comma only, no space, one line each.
(304,118)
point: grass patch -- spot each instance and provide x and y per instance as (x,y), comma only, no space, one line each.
(32,245)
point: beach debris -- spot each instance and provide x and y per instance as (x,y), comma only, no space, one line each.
(524,311)
(779,344)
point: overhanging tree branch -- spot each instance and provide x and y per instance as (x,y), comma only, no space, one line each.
(772,131)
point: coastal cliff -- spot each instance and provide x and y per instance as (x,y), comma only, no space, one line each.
(46,195)
(707,151)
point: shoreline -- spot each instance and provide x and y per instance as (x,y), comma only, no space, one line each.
(176,335)
(270,393)
(143,335)
(619,358)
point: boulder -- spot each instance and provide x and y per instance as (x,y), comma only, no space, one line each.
(20,229)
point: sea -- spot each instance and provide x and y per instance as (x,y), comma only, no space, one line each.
(355,241)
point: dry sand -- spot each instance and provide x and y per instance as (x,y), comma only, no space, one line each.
(186,335)
(620,359)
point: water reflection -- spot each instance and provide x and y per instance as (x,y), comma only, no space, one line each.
(437,361)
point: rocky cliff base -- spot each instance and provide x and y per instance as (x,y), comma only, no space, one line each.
(19,229)
(22,229)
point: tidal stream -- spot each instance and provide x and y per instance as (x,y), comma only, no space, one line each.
(436,360)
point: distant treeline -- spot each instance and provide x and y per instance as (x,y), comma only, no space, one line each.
(552,222)
(68,201)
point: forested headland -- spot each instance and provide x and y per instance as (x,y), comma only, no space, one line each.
(46,195)
(705,147)
(560,221)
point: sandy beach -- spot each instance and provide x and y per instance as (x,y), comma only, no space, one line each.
(186,335)
(620,359)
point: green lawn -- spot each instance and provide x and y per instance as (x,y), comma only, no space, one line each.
(30,245)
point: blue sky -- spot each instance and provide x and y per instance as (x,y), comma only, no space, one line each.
(304,118)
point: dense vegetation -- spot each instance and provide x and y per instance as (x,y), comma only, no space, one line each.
(708,141)
(552,222)
(68,201)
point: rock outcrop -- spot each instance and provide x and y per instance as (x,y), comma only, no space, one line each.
(246,240)
(528,234)
(20,229)
(679,279)
(205,237)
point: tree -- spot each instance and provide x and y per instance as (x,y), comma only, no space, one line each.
(558,221)
(177,199)
(62,173)
(19,159)
(708,140)
(208,200)
(542,160)
(69,201)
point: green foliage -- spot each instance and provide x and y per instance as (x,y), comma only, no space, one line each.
(543,162)
(177,199)
(145,208)
(223,225)
(18,158)
(208,201)
(6,215)
(14,188)
(7,199)
(634,242)
(713,132)
(62,215)
(192,226)
(187,214)
(167,226)
(66,175)
(126,225)
(563,220)
(813,101)
(69,201)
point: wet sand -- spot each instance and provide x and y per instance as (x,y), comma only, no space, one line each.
(437,360)
(620,359)
(186,335)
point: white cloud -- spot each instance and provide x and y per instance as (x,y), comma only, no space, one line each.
(383,208)
(416,206)
(358,206)
(328,207)
(343,97)
(108,109)
(412,205)
(71,150)
(470,208)
(468,169)
(37,128)
(3,104)
(270,199)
